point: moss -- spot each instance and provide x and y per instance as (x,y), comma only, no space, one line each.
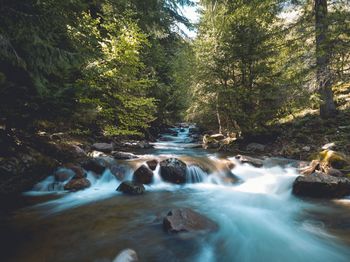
(333,159)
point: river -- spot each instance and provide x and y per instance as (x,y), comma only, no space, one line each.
(259,219)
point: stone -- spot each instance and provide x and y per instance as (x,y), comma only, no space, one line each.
(94,165)
(333,172)
(131,188)
(256,147)
(186,220)
(306,148)
(126,255)
(250,160)
(173,170)
(78,170)
(320,185)
(103,147)
(119,171)
(123,155)
(77,184)
(152,164)
(143,175)
(95,154)
(63,174)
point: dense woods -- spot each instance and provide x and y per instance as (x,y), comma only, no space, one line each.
(122,66)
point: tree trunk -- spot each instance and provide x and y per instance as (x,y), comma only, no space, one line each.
(323,74)
(218,113)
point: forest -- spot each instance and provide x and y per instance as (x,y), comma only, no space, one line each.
(103,99)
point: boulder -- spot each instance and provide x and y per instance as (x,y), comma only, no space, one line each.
(173,170)
(143,175)
(131,188)
(78,170)
(127,255)
(186,220)
(103,147)
(333,172)
(255,147)
(119,171)
(320,185)
(94,165)
(63,174)
(76,184)
(152,164)
(250,160)
(123,155)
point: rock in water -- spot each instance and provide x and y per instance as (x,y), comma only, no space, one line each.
(103,147)
(95,165)
(77,184)
(152,164)
(186,220)
(127,255)
(173,170)
(143,175)
(256,147)
(131,188)
(321,185)
(250,160)
(123,155)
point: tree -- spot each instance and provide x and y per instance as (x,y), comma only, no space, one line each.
(323,53)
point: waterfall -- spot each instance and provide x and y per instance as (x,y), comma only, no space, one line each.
(194,174)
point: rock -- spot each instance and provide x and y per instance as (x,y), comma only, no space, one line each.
(127,255)
(173,170)
(131,188)
(182,130)
(334,159)
(143,175)
(119,171)
(94,165)
(78,171)
(320,185)
(152,164)
(95,154)
(79,151)
(250,160)
(123,155)
(255,147)
(103,147)
(186,220)
(77,184)
(306,148)
(63,174)
(144,145)
(333,172)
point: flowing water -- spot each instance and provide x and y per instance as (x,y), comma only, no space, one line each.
(258,217)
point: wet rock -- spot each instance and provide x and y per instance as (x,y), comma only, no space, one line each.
(76,184)
(78,170)
(143,175)
(95,154)
(119,171)
(320,185)
(95,165)
(127,255)
(131,188)
(333,172)
(152,164)
(123,155)
(103,147)
(186,220)
(63,174)
(173,170)
(255,147)
(250,160)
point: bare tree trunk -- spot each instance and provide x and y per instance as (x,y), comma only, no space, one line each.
(323,74)
(218,113)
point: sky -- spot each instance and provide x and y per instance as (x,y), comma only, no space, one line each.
(191,13)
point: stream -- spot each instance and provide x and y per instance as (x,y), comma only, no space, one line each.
(258,218)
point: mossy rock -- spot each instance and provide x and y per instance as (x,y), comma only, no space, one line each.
(333,159)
